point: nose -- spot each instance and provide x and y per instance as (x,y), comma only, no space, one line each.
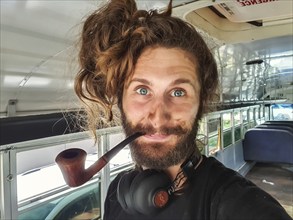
(159,114)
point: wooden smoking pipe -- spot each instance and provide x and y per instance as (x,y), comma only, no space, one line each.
(72,162)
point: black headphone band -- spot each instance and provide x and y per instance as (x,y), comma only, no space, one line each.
(148,191)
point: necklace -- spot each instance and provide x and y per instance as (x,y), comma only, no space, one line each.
(181,177)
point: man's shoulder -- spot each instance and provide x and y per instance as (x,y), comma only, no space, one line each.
(234,195)
(216,177)
(214,169)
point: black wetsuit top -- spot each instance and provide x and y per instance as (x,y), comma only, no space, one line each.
(214,193)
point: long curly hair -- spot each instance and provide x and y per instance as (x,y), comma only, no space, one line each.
(113,38)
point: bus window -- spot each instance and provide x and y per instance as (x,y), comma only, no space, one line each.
(257,115)
(201,143)
(227,138)
(244,122)
(267,113)
(244,116)
(237,125)
(282,112)
(80,204)
(202,130)
(262,114)
(237,133)
(226,120)
(237,118)
(227,129)
(251,118)
(213,134)
(202,137)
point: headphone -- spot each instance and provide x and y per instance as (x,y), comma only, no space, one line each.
(149,191)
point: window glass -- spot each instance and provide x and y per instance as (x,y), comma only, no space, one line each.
(201,142)
(261,114)
(123,157)
(227,120)
(237,133)
(201,129)
(267,113)
(227,138)
(237,119)
(214,144)
(83,203)
(256,113)
(39,212)
(84,206)
(262,111)
(252,124)
(244,116)
(201,150)
(37,173)
(214,130)
(257,116)
(282,112)
(245,128)
(41,190)
(251,115)
(213,125)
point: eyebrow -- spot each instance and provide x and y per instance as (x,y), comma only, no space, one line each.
(175,82)
(144,81)
(184,81)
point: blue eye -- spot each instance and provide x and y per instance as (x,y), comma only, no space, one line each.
(177,93)
(142,91)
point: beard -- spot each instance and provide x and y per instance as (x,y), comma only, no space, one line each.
(160,156)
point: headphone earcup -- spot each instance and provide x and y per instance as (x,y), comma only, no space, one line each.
(137,192)
(123,191)
(146,187)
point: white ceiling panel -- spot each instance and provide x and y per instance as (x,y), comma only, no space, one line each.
(38,50)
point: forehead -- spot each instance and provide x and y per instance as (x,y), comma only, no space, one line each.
(160,60)
(164,54)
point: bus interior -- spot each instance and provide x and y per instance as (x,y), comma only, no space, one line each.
(250,130)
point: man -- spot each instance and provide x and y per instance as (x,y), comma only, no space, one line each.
(160,73)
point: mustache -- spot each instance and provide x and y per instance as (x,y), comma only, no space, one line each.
(148,129)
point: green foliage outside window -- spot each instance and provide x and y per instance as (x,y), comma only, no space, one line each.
(237,133)
(213,144)
(227,138)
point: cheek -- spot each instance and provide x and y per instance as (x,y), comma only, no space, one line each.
(185,111)
(132,110)
(186,115)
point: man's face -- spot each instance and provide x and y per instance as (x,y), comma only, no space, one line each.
(162,100)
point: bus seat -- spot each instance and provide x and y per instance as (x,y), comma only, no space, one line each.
(268,145)
(272,126)
(279,123)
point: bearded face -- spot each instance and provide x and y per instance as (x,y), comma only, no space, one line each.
(162,101)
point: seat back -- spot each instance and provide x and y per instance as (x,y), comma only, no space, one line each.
(268,145)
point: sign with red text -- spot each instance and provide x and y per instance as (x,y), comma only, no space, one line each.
(254,10)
